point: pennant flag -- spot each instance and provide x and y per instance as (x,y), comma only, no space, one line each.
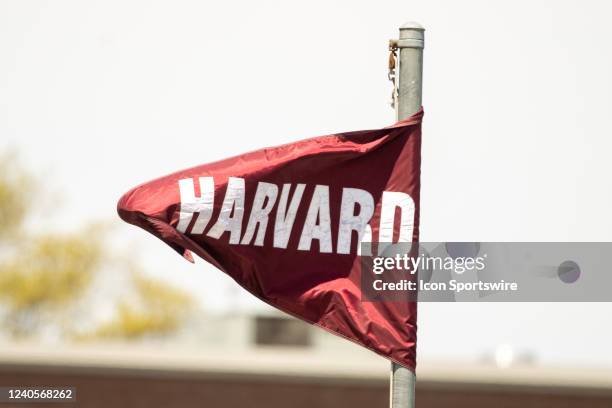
(286,223)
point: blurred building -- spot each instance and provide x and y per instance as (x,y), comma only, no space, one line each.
(268,360)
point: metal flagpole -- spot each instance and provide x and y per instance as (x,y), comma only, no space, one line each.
(409,93)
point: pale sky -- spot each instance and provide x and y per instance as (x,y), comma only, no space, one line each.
(100,96)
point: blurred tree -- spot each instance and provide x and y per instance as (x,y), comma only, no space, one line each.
(46,274)
(15,189)
(156,311)
(42,277)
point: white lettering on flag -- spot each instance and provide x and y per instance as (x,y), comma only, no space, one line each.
(357,208)
(349,221)
(285,218)
(390,201)
(232,211)
(318,223)
(191,204)
(264,201)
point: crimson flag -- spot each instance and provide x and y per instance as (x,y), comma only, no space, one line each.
(286,222)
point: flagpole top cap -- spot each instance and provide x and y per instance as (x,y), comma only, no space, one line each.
(412,35)
(412,25)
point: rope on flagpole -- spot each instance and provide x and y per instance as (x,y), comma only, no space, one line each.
(391,75)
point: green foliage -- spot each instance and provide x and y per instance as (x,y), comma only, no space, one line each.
(50,271)
(43,278)
(157,311)
(45,275)
(15,189)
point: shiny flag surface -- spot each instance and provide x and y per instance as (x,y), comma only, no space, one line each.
(286,222)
